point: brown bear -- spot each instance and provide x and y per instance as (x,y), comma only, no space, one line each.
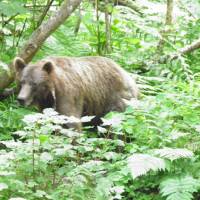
(75,86)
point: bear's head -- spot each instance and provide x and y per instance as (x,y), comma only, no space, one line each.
(36,85)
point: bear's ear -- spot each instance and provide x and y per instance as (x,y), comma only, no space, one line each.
(19,64)
(48,67)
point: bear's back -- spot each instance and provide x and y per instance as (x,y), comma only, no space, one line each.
(98,80)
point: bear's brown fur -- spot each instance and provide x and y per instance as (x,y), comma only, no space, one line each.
(75,86)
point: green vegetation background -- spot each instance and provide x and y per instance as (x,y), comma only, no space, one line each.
(151,153)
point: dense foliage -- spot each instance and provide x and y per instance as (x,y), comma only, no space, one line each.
(149,152)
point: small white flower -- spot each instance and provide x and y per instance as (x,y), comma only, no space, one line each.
(50,112)
(12,144)
(117,196)
(101,129)
(17,198)
(73,119)
(86,118)
(69,133)
(21,133)
(62,151)
(59,119)
(3,186)
(115,121)
(6,173)
(117,189)
(197,127)
(4,158)
(110,155)
(92,164)
(46,157)
(33,118)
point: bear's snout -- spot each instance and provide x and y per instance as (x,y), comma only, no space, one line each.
(25,96)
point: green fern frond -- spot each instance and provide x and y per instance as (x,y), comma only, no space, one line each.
(181,196)
(175,134)
(179,188)
(140,164)
(173,154)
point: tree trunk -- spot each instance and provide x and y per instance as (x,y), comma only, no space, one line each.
(169,14)
(108,28)
(38,37)
(168,22)
(98,27)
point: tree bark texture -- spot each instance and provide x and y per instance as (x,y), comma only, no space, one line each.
(169,13)
(168,21)
(108,28)
(78,23)
(98,27)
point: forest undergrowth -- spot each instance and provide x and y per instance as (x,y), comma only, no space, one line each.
(149,152)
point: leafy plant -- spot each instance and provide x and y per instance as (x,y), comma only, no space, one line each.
(149,152)
(179,188)
(140,164)
(173,154)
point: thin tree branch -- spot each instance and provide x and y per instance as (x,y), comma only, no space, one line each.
(31,47)
(186,9)
(8,20)
(44,13)
(21,32)
(187,49)
(131,4)
(78,23)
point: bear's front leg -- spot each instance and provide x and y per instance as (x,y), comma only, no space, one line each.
(71,108)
